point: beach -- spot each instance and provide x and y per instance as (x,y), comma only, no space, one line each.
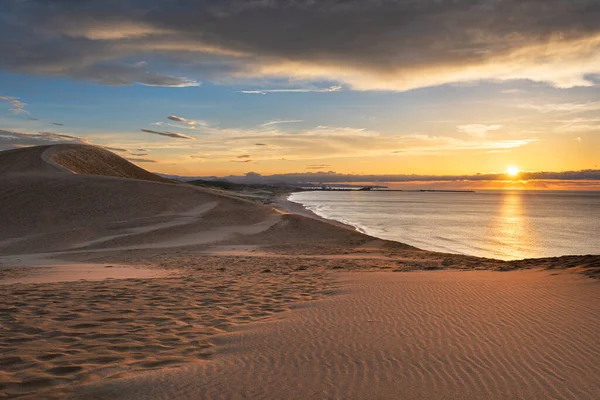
(120,285)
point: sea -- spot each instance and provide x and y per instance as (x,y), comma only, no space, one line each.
(507,225)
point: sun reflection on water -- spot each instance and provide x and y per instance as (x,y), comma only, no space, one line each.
(513,230)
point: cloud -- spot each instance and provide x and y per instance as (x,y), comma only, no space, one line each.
(185,121)
(244,156)
(318,166)
(241,161)
(277,122)
(512,91)
(409,44)
(578,125)
(12,139)
(329,89)
(58,124)
(140,160)
(18,107)
(260,144)
(169,134)
(568,108)
(477,130)
(320,142)
(139,154)
(118,149)
(332,177)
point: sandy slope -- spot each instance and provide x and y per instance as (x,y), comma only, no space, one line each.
(71,158)
(420,335)
(233,263)
(45,207)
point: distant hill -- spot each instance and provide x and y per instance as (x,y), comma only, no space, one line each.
(227,185)
(74,159)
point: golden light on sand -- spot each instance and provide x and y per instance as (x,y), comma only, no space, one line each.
(512,171)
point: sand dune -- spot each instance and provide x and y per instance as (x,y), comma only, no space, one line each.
(208,323)
(110,203)
(420,335)
(74,159)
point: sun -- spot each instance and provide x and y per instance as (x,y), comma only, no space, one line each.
(512,171)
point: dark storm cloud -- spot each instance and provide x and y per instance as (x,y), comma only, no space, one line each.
(389,44)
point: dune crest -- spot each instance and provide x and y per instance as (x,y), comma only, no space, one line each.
(72,158)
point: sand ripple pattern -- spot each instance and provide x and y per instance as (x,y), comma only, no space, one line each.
(55,335)
(416,335)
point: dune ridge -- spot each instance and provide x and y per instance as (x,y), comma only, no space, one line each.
(72,158)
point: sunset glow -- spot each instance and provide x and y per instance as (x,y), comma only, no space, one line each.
(512,171)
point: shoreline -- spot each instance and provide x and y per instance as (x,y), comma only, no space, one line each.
(282,203)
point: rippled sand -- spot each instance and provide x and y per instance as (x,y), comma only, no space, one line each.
(58,334)
(417,335)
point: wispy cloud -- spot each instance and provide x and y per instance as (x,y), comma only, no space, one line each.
(546,108)
(478,130)
(186,121)
(578,125)
(140,160)
(169,134)
(317,166)
(18,107)
(277,122)
(117,149)
(331,142)
(334,88)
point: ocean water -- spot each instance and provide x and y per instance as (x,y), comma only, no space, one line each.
(508,225)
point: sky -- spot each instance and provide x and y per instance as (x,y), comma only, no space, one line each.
(369,87)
